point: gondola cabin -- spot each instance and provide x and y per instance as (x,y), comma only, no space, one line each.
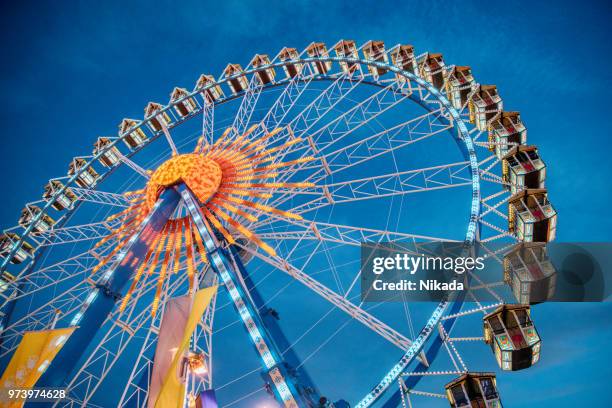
(28,214)
(375,51)
(266,75)
(134,135)
(319,50)
(505,132)
(88,176)
(529,273)
(512,336)
(5,280)
(155,118)
(403,57)
(210,90)
(186,106)
(523,168)
(347,49)
(484,105)
(473,390)
(23,252)
(237,81)
(290,54)
(111,155)
(459,84)
(61,200)
(431,69)
(531,217)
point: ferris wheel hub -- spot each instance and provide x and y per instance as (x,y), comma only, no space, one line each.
(200,173)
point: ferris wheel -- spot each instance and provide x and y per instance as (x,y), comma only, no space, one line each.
(246,201)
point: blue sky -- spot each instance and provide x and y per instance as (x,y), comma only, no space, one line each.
(70,73)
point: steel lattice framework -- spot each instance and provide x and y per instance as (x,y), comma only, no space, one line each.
(337,129)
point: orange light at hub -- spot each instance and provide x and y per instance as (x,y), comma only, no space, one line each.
(220,176)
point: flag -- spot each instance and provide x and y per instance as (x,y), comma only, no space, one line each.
(33,355)
(181,315)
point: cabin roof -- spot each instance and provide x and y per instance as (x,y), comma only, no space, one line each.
(178,93)
(505,307)
(126,124)
(519,148)
(527,192)
(465,376)
(262,59)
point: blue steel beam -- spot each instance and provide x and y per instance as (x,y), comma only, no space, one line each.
(270,318)
(105,295)
(275,370)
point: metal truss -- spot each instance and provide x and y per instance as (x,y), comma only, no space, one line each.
(121,331)
(286,101)
(324,102)
(341,302)
(405,182)
(76,233)
(247,106)
(354,118)
(101,197)
(127,161)
(208,121)
(345,234)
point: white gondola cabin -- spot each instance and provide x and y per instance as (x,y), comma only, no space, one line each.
(523,168)
(473,390)
(403,57)
(512,336)
(88,177)
(319,50)
(155,117)
(5,280)
(531,217)
(213,92)
(134,136)
(459,84)
(505,132)
(186,106)
(23,252)
(431,69)
(111,155)
(266,75)
(44,223)
(347,49)
(375,51)
(61,200)
(237,80)
(529,273)
(290,54)
(484,105)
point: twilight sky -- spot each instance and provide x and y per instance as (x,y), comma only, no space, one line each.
(72,70)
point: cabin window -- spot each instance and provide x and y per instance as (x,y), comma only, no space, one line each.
(488,388)
(87,178)
(110,155)
(459,395)
(522,317)
(496,325)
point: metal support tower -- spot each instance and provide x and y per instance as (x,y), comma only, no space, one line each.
(284,383)
(105,294)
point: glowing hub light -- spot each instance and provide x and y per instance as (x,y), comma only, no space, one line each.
(201,174)
(227,178)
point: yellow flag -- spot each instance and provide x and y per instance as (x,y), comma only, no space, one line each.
(173,390)
(33,355)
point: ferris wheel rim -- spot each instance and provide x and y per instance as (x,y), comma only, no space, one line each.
(463,136)
(462,129)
